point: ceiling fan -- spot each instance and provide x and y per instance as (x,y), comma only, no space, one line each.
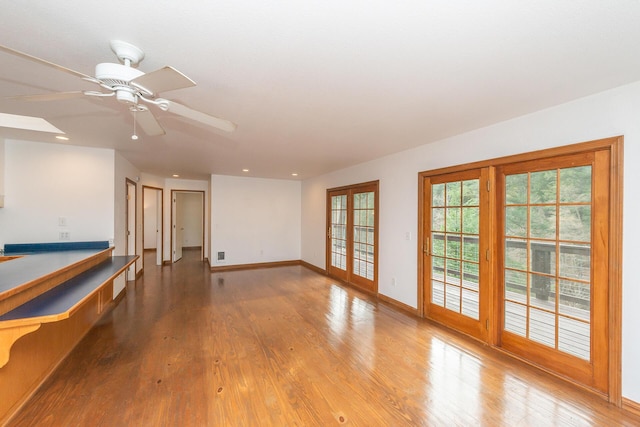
(132,87)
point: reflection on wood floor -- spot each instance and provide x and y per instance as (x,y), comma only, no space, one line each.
(286,346)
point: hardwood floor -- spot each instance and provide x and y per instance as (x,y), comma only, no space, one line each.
(287,346)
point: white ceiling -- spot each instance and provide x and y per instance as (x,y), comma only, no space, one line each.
(314,86)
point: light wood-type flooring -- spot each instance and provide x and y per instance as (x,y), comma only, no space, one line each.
(289,347)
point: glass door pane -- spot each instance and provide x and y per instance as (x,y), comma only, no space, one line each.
(455,228)
(339,231)
(547,261)
(363,234)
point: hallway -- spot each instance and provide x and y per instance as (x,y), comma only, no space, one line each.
(287,346)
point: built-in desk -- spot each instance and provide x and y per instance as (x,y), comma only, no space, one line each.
(25,271)
(48,302)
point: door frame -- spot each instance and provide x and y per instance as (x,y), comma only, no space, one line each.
(615,147)
(174,207)
(592,372)
(159,194)
(477,328)
(349,190)
(131,205)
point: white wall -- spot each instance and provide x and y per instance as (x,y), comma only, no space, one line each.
(150,221)
(254,220)
(46,182)
(151,180)
(611,113)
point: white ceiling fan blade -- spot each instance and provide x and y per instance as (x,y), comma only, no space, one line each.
(43,62)
(198,116)
(162,80)
(55,96)
(148,123)
(27,123)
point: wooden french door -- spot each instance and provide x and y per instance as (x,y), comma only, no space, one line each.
(352,235)
(553,225)
(337,234)
(524,253)
(456,280)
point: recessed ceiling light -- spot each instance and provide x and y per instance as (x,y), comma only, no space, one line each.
(245,170)
(175,175)
(294,174)
(63,138)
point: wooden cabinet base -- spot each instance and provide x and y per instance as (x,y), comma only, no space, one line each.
(36,355)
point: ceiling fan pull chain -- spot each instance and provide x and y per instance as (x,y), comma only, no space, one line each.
(134,136)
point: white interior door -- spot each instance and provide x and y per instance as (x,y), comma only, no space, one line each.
(177,228)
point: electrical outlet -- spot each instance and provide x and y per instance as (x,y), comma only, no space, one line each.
(65,235)
(393,282)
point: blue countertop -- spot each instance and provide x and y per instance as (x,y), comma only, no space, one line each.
(30,267)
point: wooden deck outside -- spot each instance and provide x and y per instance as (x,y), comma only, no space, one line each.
(574,336)
(287,346)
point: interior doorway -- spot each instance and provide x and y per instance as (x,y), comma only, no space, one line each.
(130,237)
(152,222)
(187,222)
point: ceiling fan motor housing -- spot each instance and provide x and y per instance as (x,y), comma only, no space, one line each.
(117,77)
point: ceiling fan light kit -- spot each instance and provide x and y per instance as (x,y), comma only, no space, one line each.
(132,87)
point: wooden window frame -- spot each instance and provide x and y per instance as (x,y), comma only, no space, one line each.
(614,146)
